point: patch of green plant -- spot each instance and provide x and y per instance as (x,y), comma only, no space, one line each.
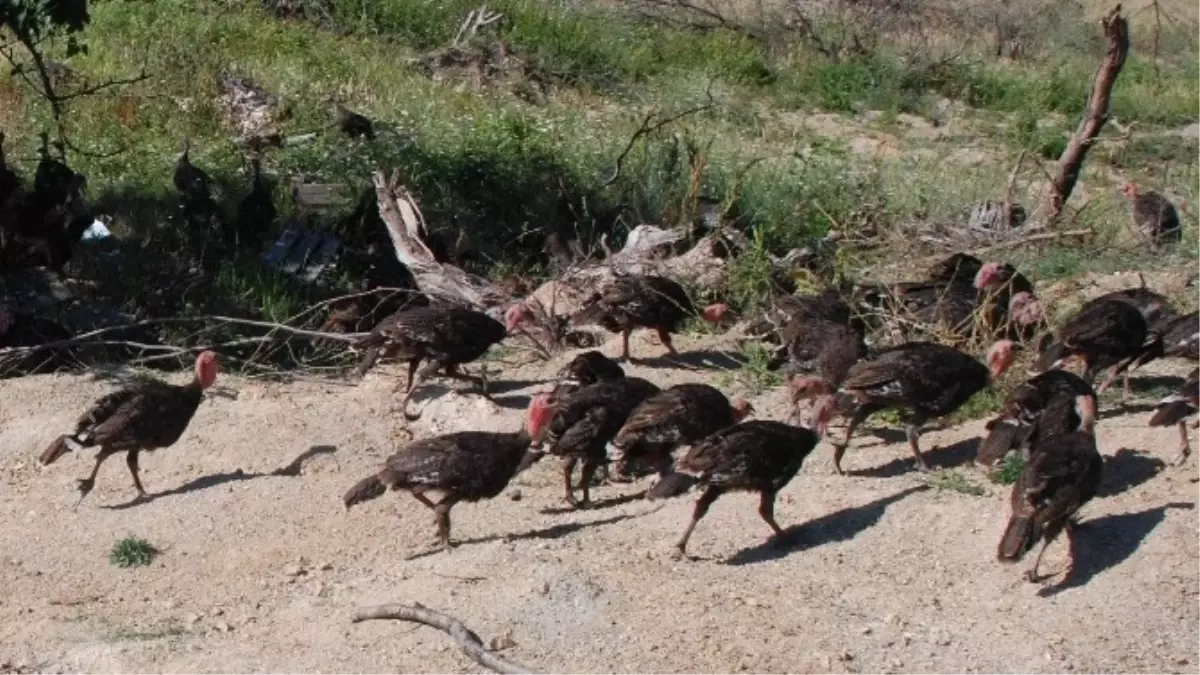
(754,374)
(132,552)
(955,481)
(1009,470)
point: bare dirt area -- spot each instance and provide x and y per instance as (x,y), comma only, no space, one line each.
(262,568)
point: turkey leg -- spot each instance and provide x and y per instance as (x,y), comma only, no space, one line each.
(861,413)
(414,382)
(706,500)
(766,509)
(480,381)
(1185,448)
(442,513)
(913,431)
(665,338)
(86,484)
(590,464)
(132,460)
(568,468)
(625,331)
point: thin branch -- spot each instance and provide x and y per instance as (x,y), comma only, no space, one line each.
(650,124)
(467,640)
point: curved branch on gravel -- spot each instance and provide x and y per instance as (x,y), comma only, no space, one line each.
(470,643)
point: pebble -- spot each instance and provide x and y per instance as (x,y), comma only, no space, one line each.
(216,611)
(515,495)
(222,627)
(293,570)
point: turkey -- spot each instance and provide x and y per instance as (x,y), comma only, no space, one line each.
(1004,288)
(351,123)
(1154,307)
(821,353)
(638,301)
(757,456)
(1176,408)
(925,380)
(1063,474)
(445,336)
(1154,215)
(1174,337)
(463,466)
(955,268)
(1108,334)
(191,181)
(52,177)
(583,423)
(1040,407)
(586,368)
(678,415)
(256,211)
(143,417)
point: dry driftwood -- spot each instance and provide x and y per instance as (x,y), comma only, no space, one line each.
(470,643)
(1116,30)
(406,227)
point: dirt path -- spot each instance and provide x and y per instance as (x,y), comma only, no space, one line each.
(262,571)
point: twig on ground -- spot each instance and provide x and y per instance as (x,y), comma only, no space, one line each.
(467,640)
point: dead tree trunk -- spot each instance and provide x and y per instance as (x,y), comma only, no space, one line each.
(466,638)
(1116,29)
(406,228)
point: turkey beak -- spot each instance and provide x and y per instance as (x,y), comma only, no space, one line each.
(531,457)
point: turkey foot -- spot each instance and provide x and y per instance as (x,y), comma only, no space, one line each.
(839,451)
(913,431)
(1185,448)
(665,338)
(85,486)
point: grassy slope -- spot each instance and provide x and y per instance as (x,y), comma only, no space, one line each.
(506,169)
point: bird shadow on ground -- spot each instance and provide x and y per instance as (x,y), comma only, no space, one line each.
(1155,385)
(1106,542)
(834,527)
(291,469)
(1128,469)
(513,401)
(1119,410)
(709,359)
(552,532)
(596,504)
(944,457)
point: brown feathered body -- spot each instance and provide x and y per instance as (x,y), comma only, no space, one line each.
(957,267)
(678,415)
(256,211)
(190,180)
(585,368)
(758,456)
(1063,473)
(924,380)
(1105,334)
(823,351)
(1155,216)
(1041,407)
(786,310)
(445,335)
(444,470)
(638,301)
(1176,408)
(583,423)
(1173,337)
(147,416)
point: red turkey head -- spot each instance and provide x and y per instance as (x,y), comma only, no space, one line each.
(715,314)
(517,315)
(1000,357)
(1130,189)
(206,369)
(741,409)
(5,320)
(987,274)
(1024,308)
(806,386)
(1085,407)
(540,413)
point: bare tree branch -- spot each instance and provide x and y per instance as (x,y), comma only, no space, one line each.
(650,124)
(467,640)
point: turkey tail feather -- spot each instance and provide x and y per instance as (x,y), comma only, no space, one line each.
(671,485)
(1018,538)
(1170,413)
(1001,439)
(365,490)
(61,446)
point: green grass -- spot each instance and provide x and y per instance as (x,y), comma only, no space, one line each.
(1009,470)
(132,552)
(506,167)
(955,481)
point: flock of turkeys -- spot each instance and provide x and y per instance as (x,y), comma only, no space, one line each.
(692,435)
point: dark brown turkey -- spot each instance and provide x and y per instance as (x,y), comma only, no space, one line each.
(1108,334)
(924,380)
(1173,337)
(678,415)
(586,368)
(826,305)
(352,124)
(757,456)
(446,336)
(190,180)
(1040,407)
(581,425)
(821,354)
(1063,474)
(444,470)
(1176,408)
(644,301)
(144,417)
(1154,215)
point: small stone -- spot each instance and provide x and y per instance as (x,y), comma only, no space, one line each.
(216,611)
(293,570)
(500,643)
(845,656)
(545,589)
(515,495)
(195,618)
(222,627)
(867,630)
(325,567)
